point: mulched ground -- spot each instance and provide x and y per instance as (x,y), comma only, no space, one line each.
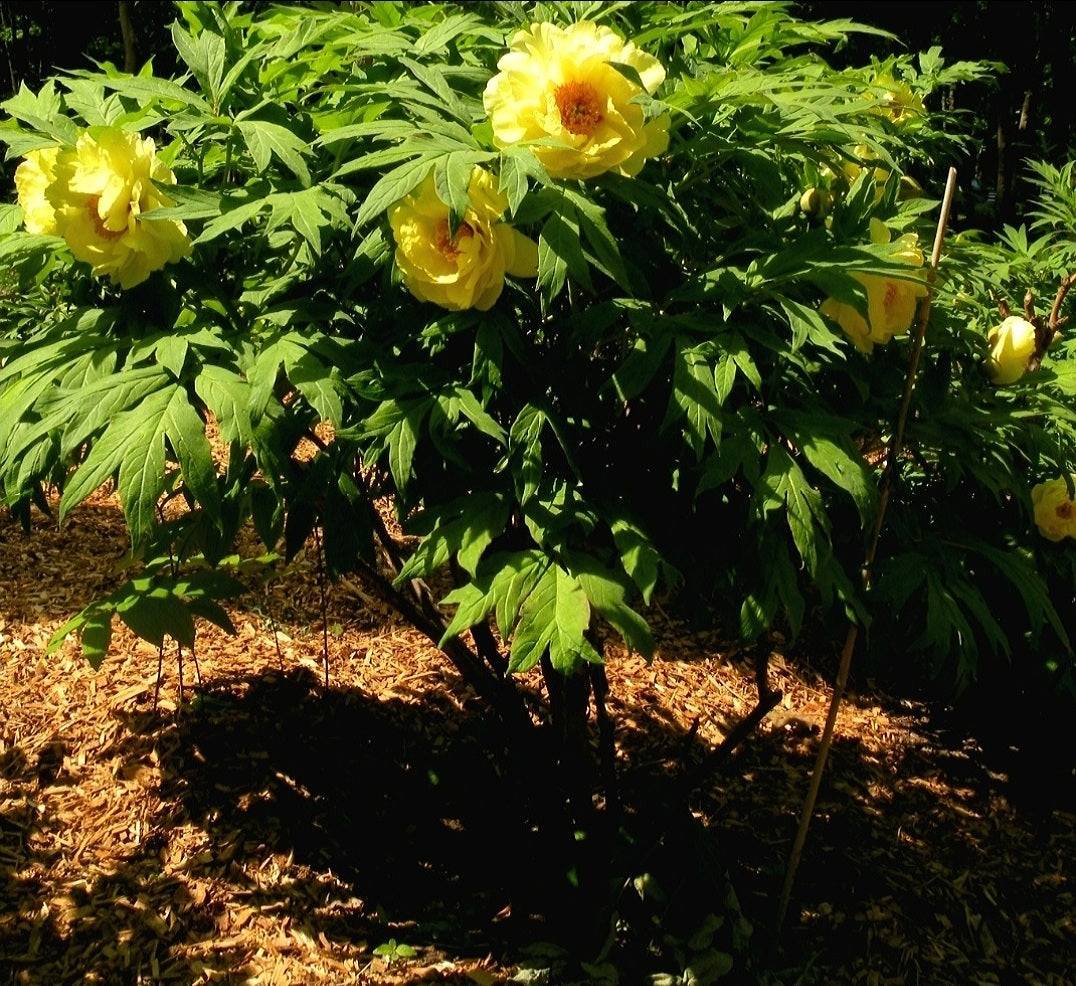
(258,828)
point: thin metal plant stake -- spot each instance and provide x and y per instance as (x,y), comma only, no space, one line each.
(895,447)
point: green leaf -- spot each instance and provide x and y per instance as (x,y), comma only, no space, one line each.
(252,53)
(463,528)
(402,442)
(96,637)
(808,325)
(784,485)
(186,433)
(555,615)
(232,218)
(43,111)
(737,451)
(560,254)
(227,395)
(437,37)
(696,397)
(477,415)
(171,352)
(638,555)
(451,180)
(148,88)
(435,81)
(158,614)
(210,610)
(640,366)
(756,615)
(512,182)
(845,468)
(606,252)
(472,606)
(320,384)
(391,188)
(133,445)
(503,582)
(305,211)
(266,140)
(154,608)
(733,344)
(526,442)
(94,625)
(608,595)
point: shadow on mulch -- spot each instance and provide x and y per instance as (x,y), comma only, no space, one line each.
(403,826)
(918,867)
(393,798)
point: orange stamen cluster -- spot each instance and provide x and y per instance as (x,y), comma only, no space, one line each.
(446,244)
(580,107)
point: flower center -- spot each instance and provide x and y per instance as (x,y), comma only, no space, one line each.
(890,294)
(103,231)
(1064,511)
(580,107)
(447,244)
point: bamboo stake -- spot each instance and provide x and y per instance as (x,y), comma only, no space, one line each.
(895,448)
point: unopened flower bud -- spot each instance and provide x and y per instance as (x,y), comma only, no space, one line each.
(815,203)
(1011,345)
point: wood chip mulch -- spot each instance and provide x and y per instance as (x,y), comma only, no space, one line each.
(258,828)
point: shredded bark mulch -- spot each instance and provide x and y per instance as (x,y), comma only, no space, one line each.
(224,816)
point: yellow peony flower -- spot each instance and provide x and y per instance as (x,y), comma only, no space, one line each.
(1011,345)
(466,270)
(891,303)
(102,188)
(897,101)
(556,86)
(32,180)
(1055,512)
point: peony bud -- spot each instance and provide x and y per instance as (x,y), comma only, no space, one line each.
(816,203)
(1011,345)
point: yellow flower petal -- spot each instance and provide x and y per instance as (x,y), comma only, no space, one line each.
(33,179)
(849,319)
(896,100)
(521,253)
(891,301)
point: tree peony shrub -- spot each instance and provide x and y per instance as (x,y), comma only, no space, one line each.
(553,287)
